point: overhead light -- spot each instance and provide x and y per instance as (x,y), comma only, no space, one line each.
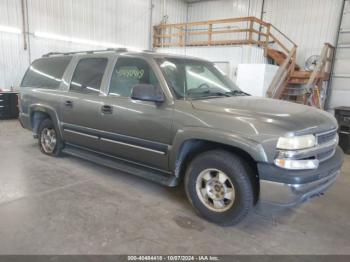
(9,29)
(82,41)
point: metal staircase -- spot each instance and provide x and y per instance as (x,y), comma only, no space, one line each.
(304,87)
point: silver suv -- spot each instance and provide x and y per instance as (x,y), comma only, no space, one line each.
(171,119)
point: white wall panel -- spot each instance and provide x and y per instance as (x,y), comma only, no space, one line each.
(176,11)
(13,60)
(309,23)
(341,74)
(120,22)
(114,21)
(221,9)
(10,13)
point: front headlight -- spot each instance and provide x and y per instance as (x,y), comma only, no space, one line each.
(296,142)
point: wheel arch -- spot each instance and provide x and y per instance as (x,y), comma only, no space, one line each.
(192,147)
(188,145)
(38,113)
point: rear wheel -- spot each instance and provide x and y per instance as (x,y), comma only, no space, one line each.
(219,186)
(49,141)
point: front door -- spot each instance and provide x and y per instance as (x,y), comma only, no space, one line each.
(138,131)
(81,107)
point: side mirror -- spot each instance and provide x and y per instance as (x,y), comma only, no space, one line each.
(146,92)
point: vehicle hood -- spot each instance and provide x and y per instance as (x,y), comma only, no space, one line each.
(267,115)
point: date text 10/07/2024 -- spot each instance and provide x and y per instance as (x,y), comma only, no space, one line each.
(173,258)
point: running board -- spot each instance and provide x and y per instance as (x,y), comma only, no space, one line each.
(121,165)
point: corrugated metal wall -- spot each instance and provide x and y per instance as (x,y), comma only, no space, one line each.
(113,21)
(309,23)
(122,22)
(211,10)
(12,56)
(221,9)
(340,95)
(175,11)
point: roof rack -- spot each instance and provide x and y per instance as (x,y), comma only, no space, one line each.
(86,52)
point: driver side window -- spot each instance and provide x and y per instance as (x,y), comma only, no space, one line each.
(128,72)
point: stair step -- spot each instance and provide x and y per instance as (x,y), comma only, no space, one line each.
(278,56)
(302,77)
(301,74)
(298,81)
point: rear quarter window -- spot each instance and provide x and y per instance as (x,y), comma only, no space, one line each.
(46,72)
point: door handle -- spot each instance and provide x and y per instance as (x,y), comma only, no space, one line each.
(68,103)
(106,109)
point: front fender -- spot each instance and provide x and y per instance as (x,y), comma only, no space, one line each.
(251,147)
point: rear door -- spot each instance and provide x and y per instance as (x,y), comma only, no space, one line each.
(81,106)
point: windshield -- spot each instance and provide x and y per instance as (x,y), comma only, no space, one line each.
(196,79)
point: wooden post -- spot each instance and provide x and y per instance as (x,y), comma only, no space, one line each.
(251,27)
(181,38)
(187,39)
(155,37)
(267,39)
(294,58)
(210,33)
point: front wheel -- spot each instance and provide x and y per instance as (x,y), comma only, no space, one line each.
(219,186)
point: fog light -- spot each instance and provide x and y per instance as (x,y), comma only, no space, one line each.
(297,164)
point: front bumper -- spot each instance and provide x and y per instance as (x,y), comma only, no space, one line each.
(288,187)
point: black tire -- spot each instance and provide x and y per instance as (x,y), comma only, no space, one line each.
(57,149)
(240,176)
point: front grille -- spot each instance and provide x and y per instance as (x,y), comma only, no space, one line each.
(326,137)
(325,155)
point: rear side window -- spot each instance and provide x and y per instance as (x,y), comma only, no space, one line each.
(46,72)
(88,75)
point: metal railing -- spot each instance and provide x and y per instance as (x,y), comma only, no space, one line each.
(232,31)
(278,83)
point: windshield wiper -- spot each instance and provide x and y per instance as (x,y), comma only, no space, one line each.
(218,93)
(239,92)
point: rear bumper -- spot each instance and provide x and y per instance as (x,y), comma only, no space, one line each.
(288,188)
(24,120)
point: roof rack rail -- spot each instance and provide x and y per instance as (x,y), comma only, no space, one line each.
(86,52)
